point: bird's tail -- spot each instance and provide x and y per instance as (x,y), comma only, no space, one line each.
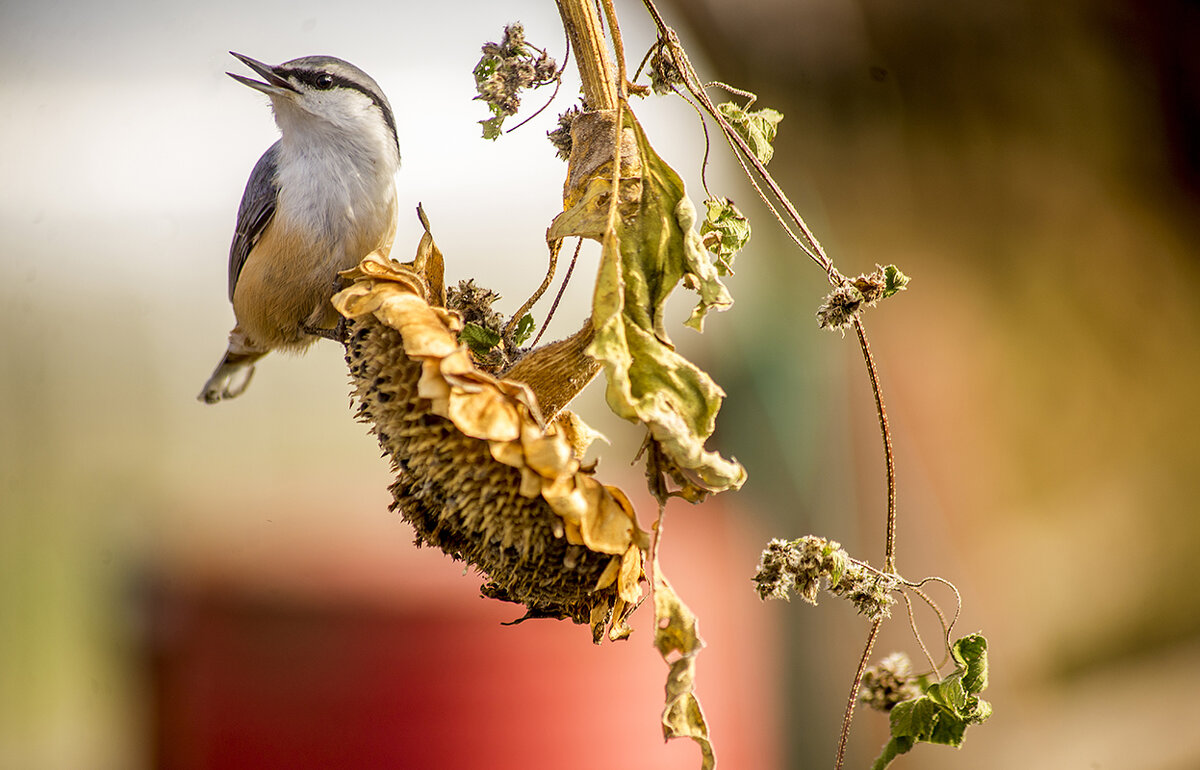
(231,377)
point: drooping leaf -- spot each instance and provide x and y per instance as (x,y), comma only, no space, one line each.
(649,248)
(970,652)
(724,232)
(678,641)
(942,714)
(757,128)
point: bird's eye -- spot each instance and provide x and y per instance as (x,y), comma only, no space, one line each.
(324,80)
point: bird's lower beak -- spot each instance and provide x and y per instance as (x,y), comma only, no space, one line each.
(275,85)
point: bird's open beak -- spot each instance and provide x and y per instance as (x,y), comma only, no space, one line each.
(275,85)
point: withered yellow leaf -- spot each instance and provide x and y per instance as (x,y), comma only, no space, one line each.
(648,248)
(678,641)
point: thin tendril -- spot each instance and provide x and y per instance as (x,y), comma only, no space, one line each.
(558,297)
(637,73)
(540,110)
(957,599)
(517,316)
(945,628)
(707,143)
(750,97)
(912,623)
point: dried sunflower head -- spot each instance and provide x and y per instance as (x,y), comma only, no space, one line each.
(479,472)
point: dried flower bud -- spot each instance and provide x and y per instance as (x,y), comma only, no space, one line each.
(843,304)
(561,136)
(889,682)
(505,69)
(840,307)
(664,75)
(869,592)
(801,565)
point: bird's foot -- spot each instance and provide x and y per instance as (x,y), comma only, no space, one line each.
(337,333)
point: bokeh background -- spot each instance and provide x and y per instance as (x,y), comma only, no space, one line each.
(192,586)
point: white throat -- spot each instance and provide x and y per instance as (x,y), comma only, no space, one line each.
(336,176)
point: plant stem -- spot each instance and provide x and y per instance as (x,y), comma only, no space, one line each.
(889,555)
(537,294)
(614,29)
(742,151)
(591,53)
(848,717)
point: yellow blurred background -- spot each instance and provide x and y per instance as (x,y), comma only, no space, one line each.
(1031,166)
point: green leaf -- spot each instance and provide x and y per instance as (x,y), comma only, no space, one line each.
(941,715)
(893,281)
(492,127)
(757,128)
(484,69)
(524,329)
(724,232)
(478,338)
(970,652)
(647,250)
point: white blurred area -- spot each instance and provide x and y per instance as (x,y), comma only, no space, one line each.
(125,151)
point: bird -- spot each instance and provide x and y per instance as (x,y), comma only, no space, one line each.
(319,199)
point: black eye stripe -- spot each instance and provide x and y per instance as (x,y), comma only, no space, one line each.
(327,81)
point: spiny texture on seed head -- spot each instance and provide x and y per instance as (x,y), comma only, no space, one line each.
(459,499)
(479,473)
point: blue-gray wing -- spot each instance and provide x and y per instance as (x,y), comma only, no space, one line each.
(254,212)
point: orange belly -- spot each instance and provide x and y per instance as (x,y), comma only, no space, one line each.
(286,284)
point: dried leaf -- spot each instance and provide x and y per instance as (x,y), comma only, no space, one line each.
(649,248)
(678,641)
(757,128)
(724,231)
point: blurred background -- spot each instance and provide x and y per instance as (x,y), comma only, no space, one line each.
(192,586)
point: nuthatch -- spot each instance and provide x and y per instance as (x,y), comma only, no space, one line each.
(318,200)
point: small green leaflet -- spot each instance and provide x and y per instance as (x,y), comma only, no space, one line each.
(492,126)
(943,713)
(757,128)
(487,67)
(524,329)
(478,338)
(724,232)
(893,281)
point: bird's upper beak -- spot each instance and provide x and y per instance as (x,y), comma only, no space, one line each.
(275,85)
